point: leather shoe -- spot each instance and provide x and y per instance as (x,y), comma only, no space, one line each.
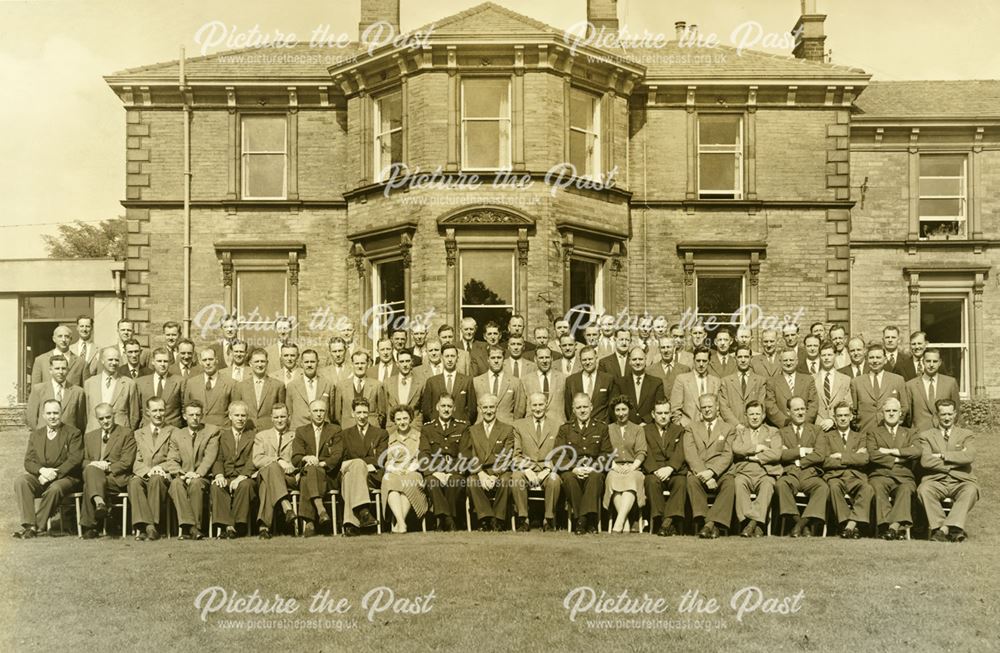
(581,526)
(848,533)
(350,530)
(710,532)
(548,526)
(26,533)
(522,525)
(758,531)
(890,534)
(749,529)
(445,523)
(956,534)
(366,518)
(797,530)
(90,534)
(151,533)
(195,534)
(101,511)
(591,525)
(264,533)
(230,533)
(290,517)
(324,518)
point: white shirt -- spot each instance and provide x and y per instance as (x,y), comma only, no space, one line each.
(403,388)
(310,387)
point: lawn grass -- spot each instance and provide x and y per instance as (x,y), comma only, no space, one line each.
(503,591)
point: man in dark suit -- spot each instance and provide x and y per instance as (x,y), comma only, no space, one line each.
(385,364)
(895,359)
(224,348)
(234,486)
(947,454)
(272,457)
(171,336)
(453,383)
(163,385)
(259,392)
(212,390)
(191,455)
(364,445)
(708,453)
(440,441)
(802,471)
(474,349)
(132,367)
(787,384)
(643,390)
(857,352)
(126,332)
(515,329)
(317,452)
(616,364)
(592,382)
(722,363)
(923,392)
(870,391)
(185,364)
(740,388)
(52,469)
(405,389)
(912,366)
(76,371)
(550,383)
(810,365)
(108,455)
(665,470)
(584,452)
(70,397)
(398,338)
(845,459)
(893,451)
(790,338)
(489,445)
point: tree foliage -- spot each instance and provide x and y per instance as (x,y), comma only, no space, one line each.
(105,239)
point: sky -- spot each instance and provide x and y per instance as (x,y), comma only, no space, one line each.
(62,130)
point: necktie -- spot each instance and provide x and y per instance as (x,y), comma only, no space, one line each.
(701,386)
(920,366)
(844,435)
(237,373)
(798,434)
(812,367)
(59,393)
(236,437)
(83,351)
(155,431)
(208,385)
(159,386)
(947,434)
(743,384)
(791,383)
(50,434)
(449,383)
(892,360)
(107,382)
(104,437)
(827,389)
(538,430)
(931,394)
(638,386)
(876,390)
(359,387)
(517,374)
(134,372)
(545,385)
(496,384)
(588,384)
(184,371)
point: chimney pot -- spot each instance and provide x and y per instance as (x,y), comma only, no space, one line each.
(679,28)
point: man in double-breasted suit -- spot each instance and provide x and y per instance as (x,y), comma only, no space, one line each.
(534,438)
(52,469)
(163,385)
(70,398)
(108,456)
(924,391)
(451,382)
(802,471)
(893,451)
(690,386)
(76,370)
(665,366)
(108,387)
(592,382)
(259,392)
(272,457)
(740,388)
(147,489)
(756,453)
(359,386)
(307,388)
(786,384)
(440,453)
(210,389)
(616,364)
(845,459)
(364,447)
(317,453)
(511,401)
(665,470)
(832,387)
(489,445)
(947,454)
(190,457)
(405,388)
(870,391)
(550,383)
(234,475)
(642,389)
(721,362)
(582,455)
(708,453)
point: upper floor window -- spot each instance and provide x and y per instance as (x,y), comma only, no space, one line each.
(388,124)
(486,124)
(943,193)
(584,133)
(720,157)
(264,157)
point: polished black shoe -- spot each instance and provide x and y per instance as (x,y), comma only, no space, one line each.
(890,534)
(801,526)
(749,529)
(548,526)
(445,523)
(848,533)
(324,519)
(758,531)
(581,526)
(592,525)
(522,525)
(709,532)
(230,533)
(956,534)
(264,533)
(366,518)
(90,534)
(101,512)
(290,517)
(350,530)
(196,534)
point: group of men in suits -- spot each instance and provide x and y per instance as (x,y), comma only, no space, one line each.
(671,384)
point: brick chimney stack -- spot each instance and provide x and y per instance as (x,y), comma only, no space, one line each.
(603,13)
(809,36)
(374,11)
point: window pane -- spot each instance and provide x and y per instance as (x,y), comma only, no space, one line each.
(718,130)
(720,295)
(483,146)
(64,308)
(578,155)
(582,282)
(941,228)
(391,112)
(951,187)
(487,277)
(951,208)
(264,134)
(581,110)
(265,175)
(263,290)
(717,171)
(941,319)
(941,166)
(499,315)
(485,98)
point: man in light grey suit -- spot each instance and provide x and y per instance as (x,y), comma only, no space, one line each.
(509,392)
(191,454)
(534,438)
(690,386)
(665,365)
(360,386)
(870,391)
(338,367)
(40,367)
(832,387)
(110,387)
(923,391)
(549,383)
(947,454)
(307,388)
(84,347)
(740,388)
(71,397)
(787,384)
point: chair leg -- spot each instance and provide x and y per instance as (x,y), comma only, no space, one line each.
(125,517)
(295,509)
(78,505)
(468,516)
(333,512)
(378,512)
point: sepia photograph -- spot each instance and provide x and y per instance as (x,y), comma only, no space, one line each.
(611,325)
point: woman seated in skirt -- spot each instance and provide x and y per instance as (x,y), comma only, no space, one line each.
(403,484)
(624,485)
